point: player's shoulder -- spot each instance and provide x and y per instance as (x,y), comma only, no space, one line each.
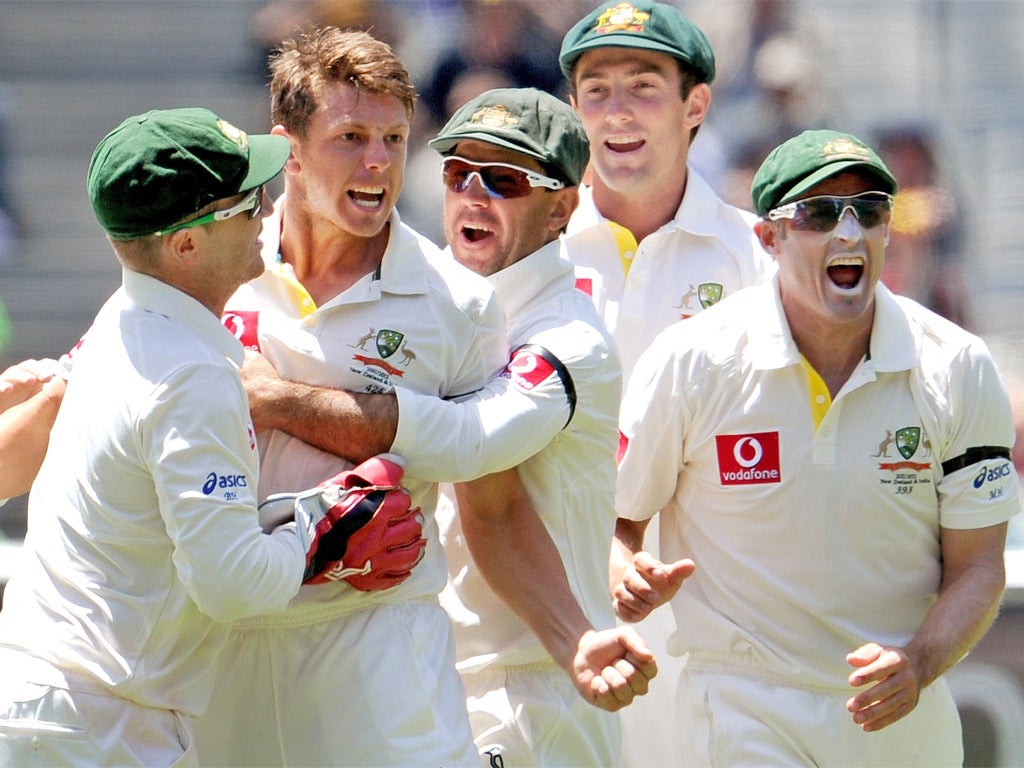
(713,341)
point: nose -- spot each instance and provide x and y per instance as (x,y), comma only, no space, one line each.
(849,227)
(376,155)
(474,190)
(617,108)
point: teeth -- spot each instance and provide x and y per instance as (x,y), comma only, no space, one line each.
(847,261)
(624,139)
(369,190)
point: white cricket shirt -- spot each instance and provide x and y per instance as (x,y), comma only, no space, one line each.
(809,542)
(708,251)
(422,321)
(143,542)
(570,479)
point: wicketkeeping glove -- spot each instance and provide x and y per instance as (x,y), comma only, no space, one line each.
(357,526)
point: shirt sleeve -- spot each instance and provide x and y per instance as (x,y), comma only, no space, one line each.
(201,451)
(979,486)
(652,428)
(498,427)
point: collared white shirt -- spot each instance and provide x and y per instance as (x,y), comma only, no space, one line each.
(143,542)
(809,541)
(570,477)
(421,322)
(707,251)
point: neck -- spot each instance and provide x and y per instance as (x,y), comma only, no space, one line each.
(834,352)
(641,212)
(328,260)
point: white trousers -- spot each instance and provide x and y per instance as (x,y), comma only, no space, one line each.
(45,726)
(732,720)
(532,716)
(377,688)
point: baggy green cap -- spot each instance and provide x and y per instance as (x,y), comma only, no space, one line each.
(525,120)
(805,160)
(155,169)
(639,24)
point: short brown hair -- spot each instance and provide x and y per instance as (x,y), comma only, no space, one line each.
(303,66)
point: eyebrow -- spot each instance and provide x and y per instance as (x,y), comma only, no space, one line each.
(639,68)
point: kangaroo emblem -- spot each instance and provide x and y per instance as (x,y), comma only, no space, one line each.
(364,340)
(883,447)
(687,298)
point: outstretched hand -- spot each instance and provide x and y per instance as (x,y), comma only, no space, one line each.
(894,686)
(612,667)
(647,583)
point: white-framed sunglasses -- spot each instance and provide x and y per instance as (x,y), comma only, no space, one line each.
(251,204)
(501,181)
(823,212)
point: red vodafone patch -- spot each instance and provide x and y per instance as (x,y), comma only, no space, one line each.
(748,459)
(244,325)
(527,369)
(586,285)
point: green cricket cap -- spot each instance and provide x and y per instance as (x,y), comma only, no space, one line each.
(805,160)
(525,120)
(639,24)
(156,168)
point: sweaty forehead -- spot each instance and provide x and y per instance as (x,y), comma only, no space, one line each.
(484,152)
(599,61)
(851,182)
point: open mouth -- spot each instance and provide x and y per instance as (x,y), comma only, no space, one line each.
(624,143)
(846,272)
(474,233)
(370,198)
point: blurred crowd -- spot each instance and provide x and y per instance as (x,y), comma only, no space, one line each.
(767,88)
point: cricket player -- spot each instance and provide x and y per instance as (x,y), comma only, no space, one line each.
(513,160)
(143,540)
(651,241)
(834,462)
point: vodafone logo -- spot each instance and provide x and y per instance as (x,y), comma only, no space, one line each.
(244,326)
(748,459)
(527,370)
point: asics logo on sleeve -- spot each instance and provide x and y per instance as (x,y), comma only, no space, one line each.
(223,482)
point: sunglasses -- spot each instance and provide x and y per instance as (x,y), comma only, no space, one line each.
(501,181)
(251,204)
(822,213)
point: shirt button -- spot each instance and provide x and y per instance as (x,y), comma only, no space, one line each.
(820,399)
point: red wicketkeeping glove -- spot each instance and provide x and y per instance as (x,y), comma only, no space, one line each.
(357,526)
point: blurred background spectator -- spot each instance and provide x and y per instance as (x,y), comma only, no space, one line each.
(925,256)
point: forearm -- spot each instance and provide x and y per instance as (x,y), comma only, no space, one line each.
(354,426)
(24,437)
(516,556)
(965,609)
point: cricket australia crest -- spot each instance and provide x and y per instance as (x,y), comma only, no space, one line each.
(709,293)
(907,440)
(388,341)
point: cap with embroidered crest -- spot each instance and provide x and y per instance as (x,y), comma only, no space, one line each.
(156,168)
(639,24)
(799,163)
(525,120)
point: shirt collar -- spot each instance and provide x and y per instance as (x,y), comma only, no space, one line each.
(892,345)
(154,295)
(517,284)
(402,269)
(697,212)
